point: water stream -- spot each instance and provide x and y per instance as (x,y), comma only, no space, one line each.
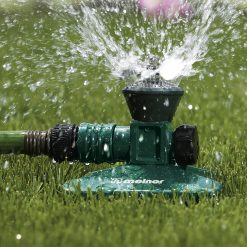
(127,45)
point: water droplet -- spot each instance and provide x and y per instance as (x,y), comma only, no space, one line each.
(181,201)
(73,144)
(109,89)
(201,77)
(106,147)
(33,87)
(130,41)
(157,139)
(190,107)
(71,70)
(144,108)
(166,103)
(218,156)
(6,165)
(22,1)
(86,83)
(18,236)
(141,138)
(7,67)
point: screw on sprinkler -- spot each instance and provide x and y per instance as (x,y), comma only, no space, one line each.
(149,146)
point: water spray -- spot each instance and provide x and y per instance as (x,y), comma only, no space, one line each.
(158,159)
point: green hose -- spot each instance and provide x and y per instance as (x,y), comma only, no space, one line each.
(12,141)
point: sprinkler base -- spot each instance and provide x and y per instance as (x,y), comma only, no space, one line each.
(147,180)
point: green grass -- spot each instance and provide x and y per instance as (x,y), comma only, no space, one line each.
(33,202)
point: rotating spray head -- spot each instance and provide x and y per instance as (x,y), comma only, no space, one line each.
(151,101)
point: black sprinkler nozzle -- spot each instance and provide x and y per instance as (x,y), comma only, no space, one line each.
(152,104)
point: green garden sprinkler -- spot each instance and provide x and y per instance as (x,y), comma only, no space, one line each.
(157,159)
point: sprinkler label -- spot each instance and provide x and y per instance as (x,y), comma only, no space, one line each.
(138,181)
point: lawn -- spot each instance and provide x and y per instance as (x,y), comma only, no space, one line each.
(38,91)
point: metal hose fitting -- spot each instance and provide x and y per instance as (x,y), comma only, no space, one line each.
(59,142)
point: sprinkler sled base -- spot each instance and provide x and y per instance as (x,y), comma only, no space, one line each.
(147,180)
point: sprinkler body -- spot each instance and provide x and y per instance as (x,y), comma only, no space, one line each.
(157,158)
(149,140)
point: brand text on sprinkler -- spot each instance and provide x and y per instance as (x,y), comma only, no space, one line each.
(132,181)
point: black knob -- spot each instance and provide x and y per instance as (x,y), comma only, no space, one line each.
(186,145)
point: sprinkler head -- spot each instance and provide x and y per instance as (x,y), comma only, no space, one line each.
(152,104)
